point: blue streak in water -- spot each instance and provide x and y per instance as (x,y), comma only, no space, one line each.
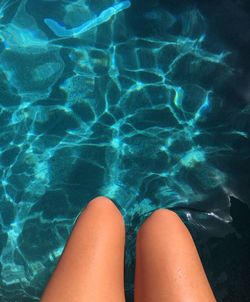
(204,108)
(105,16)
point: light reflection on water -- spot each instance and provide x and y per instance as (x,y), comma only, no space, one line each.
(135,118)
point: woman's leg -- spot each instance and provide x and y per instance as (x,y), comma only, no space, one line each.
(168,267)
(91,267)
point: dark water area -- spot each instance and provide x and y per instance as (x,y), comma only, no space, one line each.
(149,106)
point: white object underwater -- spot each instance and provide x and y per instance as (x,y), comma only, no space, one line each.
(105,16)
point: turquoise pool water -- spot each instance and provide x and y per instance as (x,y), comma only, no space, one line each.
(146,102)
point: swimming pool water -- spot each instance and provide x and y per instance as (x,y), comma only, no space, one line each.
(146,102)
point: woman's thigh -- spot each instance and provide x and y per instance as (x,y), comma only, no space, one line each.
(91,267)
(168,267)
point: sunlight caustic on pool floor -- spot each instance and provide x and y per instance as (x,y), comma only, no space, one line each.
(90,107)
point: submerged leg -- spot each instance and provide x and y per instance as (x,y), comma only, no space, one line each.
(91,267)
(168,267)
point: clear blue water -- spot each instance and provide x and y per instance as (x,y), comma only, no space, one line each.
(146,103)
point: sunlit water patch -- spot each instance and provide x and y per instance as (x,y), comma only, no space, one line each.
(90,106)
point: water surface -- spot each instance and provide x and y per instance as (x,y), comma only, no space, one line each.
(144,102)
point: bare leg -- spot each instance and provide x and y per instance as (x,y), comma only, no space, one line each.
(168,267)
(91,267)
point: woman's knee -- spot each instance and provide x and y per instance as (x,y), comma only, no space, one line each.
(103,208)
(161,220)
